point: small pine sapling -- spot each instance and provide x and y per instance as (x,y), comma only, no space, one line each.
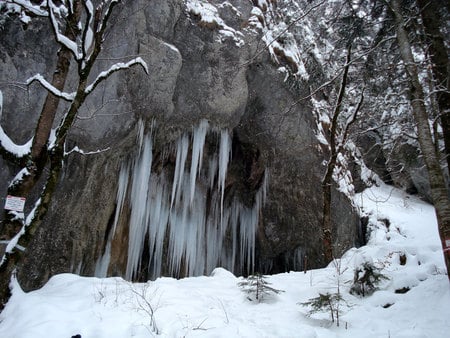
(330,301)
(366,279)
(257,287)
(325,302)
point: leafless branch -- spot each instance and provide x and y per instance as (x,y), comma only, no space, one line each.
(352,119)
(115,68)
(28,6)
(44,83)
(61,38)
(87,35)
(82,152)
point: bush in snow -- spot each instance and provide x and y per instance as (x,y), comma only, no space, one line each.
(144,303)
(257,287)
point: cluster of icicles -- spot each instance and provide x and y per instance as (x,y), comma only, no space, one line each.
(188,233)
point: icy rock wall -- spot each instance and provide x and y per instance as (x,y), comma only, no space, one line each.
(200,67)
(182,218)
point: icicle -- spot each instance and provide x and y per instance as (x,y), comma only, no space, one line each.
(212,170)
(248,219)
(158,220)
(213,241)
(234,220)
(187,227)
(298,260)
(224,156)
(139,192)
(196,235)
(140,134)
(121,193)
(178,179)
(101,267)
(197,155)
(194,243)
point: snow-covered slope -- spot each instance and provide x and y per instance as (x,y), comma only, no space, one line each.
(215,306)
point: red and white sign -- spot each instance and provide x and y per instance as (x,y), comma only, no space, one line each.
(14,203)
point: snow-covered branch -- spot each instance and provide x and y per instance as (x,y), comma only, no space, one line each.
(104,20)
(61,38)
(62,95)
(30,7)
(93,32)
(88,34)
(9,146)
(114,68)
(16,150)
(350,120)
(82,152)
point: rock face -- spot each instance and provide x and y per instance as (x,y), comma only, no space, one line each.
(401,166)
(258,185)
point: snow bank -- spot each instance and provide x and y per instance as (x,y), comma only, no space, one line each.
(214,306)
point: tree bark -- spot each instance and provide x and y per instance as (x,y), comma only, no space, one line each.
(56,156)
(48,112)
(327,181)
(39,158)
(439,192)
(440,66)
(11,260)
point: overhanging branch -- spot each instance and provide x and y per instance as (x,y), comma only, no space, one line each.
(61,38)
(60,94)
(115,68)
(28,6)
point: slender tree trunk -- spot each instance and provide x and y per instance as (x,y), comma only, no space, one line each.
(51,103)
(11,260)
(439,192)
(38,158)
(432,20)
(330,304)
(327,181)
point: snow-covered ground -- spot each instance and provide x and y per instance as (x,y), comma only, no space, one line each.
(215,306)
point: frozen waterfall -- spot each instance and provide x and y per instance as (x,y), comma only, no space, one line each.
(182,215)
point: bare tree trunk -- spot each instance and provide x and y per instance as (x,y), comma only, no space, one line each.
(432,20)
(439,192)
(327,181)
(12,259)
(47,116)
(38,157)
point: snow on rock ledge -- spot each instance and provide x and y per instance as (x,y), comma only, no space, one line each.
(207,15)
